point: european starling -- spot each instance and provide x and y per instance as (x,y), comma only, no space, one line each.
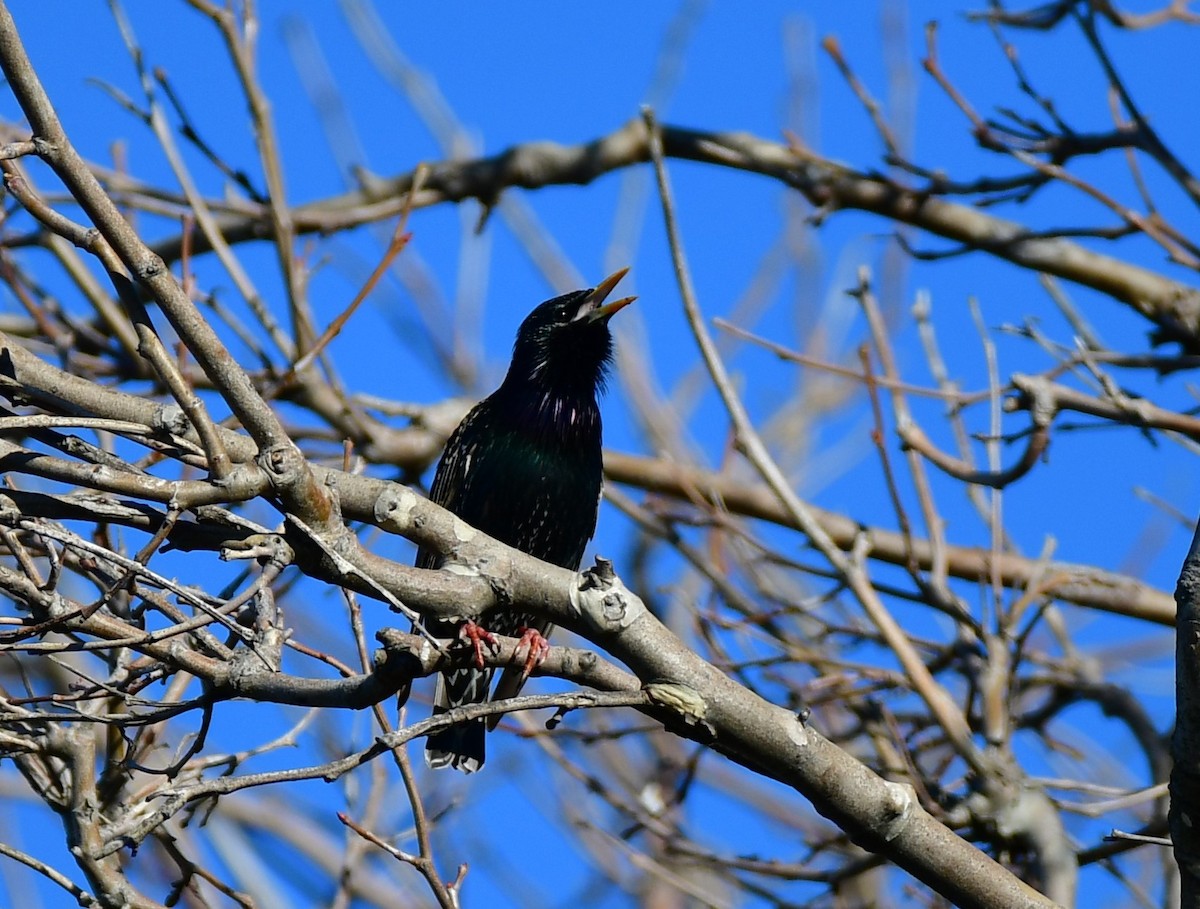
(524,466)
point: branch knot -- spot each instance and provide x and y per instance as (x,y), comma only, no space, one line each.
(602,600)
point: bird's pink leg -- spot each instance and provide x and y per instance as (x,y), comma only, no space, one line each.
(478,636)
(537,646)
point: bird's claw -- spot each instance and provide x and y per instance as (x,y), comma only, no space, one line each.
(478,636)
(536,647)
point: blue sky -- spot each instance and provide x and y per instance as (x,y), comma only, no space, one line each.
(517,72)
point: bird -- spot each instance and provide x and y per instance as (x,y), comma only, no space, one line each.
(525,466)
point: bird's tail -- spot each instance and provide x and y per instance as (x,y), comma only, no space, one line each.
(460,746)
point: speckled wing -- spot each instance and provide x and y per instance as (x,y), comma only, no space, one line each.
(462,745)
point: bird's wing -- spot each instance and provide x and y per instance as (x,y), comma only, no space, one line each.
(449,482)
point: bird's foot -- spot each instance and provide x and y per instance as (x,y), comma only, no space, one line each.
(535,646)
(478,636)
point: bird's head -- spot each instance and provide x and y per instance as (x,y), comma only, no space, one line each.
(564,345)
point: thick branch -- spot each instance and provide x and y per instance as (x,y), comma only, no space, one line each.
(1085,585)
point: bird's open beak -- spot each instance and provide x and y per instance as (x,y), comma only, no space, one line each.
(601,291)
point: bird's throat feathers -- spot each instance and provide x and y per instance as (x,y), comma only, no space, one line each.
(570,360)
(551,389)
(561,417)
